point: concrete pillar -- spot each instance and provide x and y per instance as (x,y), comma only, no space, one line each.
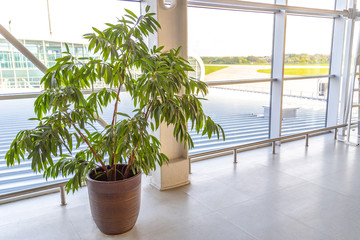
(173,33)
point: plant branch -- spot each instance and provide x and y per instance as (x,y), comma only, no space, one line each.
(89,145)
(147,114)
(115,111)
(118,97)
(132,156)
(130,162)
(63,142)
(119,89)
(123,73)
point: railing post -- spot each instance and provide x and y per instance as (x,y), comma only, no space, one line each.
(336,133)
(273,141)
(307,140)
(62,195)
(189,165)
(235,156)
(274,147)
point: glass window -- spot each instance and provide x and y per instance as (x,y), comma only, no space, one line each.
(70,30)
(53,50)
(242,111)
(6,59)
(308,46)
(355,111)
(230,49)
(21,73)
(304,105)
(34,24)
(20,60)
(8,73)
(228,45)
(47,43)
(5,55)
(17,73)
(36,48)
(4,45)
(79,50)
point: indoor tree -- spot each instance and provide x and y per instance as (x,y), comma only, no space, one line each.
(161,91)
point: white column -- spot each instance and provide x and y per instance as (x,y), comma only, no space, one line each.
(173,33)
(277,72)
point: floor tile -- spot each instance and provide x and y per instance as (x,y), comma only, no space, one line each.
(297,193)
(209,227)
(319,208)
(214,194)
(265,223)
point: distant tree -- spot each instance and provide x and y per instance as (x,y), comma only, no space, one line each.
(289,59)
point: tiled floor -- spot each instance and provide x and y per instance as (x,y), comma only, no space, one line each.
(298,193)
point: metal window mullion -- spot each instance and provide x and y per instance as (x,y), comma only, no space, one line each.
(45,59)
(14,65)
(336,60)
(345,91)
(44,54)
(27,68)
(278,57)
(222,6)
(266,7)
(1,75)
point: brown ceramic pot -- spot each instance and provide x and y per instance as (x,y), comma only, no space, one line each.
(114,205)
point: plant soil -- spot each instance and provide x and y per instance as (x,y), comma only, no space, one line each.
(100,175)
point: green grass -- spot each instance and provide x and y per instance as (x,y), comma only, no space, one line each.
(212,68)
(300,71)
(305,64)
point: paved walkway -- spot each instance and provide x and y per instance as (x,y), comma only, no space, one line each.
(236,72)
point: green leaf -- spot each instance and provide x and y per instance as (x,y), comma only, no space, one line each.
(157,83)
(123,114)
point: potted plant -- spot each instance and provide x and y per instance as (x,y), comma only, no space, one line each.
(116,155)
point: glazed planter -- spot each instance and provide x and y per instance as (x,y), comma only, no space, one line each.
(114,205)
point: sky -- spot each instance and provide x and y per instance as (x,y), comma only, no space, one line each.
(211,32)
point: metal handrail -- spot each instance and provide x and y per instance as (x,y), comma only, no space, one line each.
(19,95)
(60,184)
(273,141)
(36,94)
(258,80)
(240,81)
(234,149)
(209,83)
(309,77)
